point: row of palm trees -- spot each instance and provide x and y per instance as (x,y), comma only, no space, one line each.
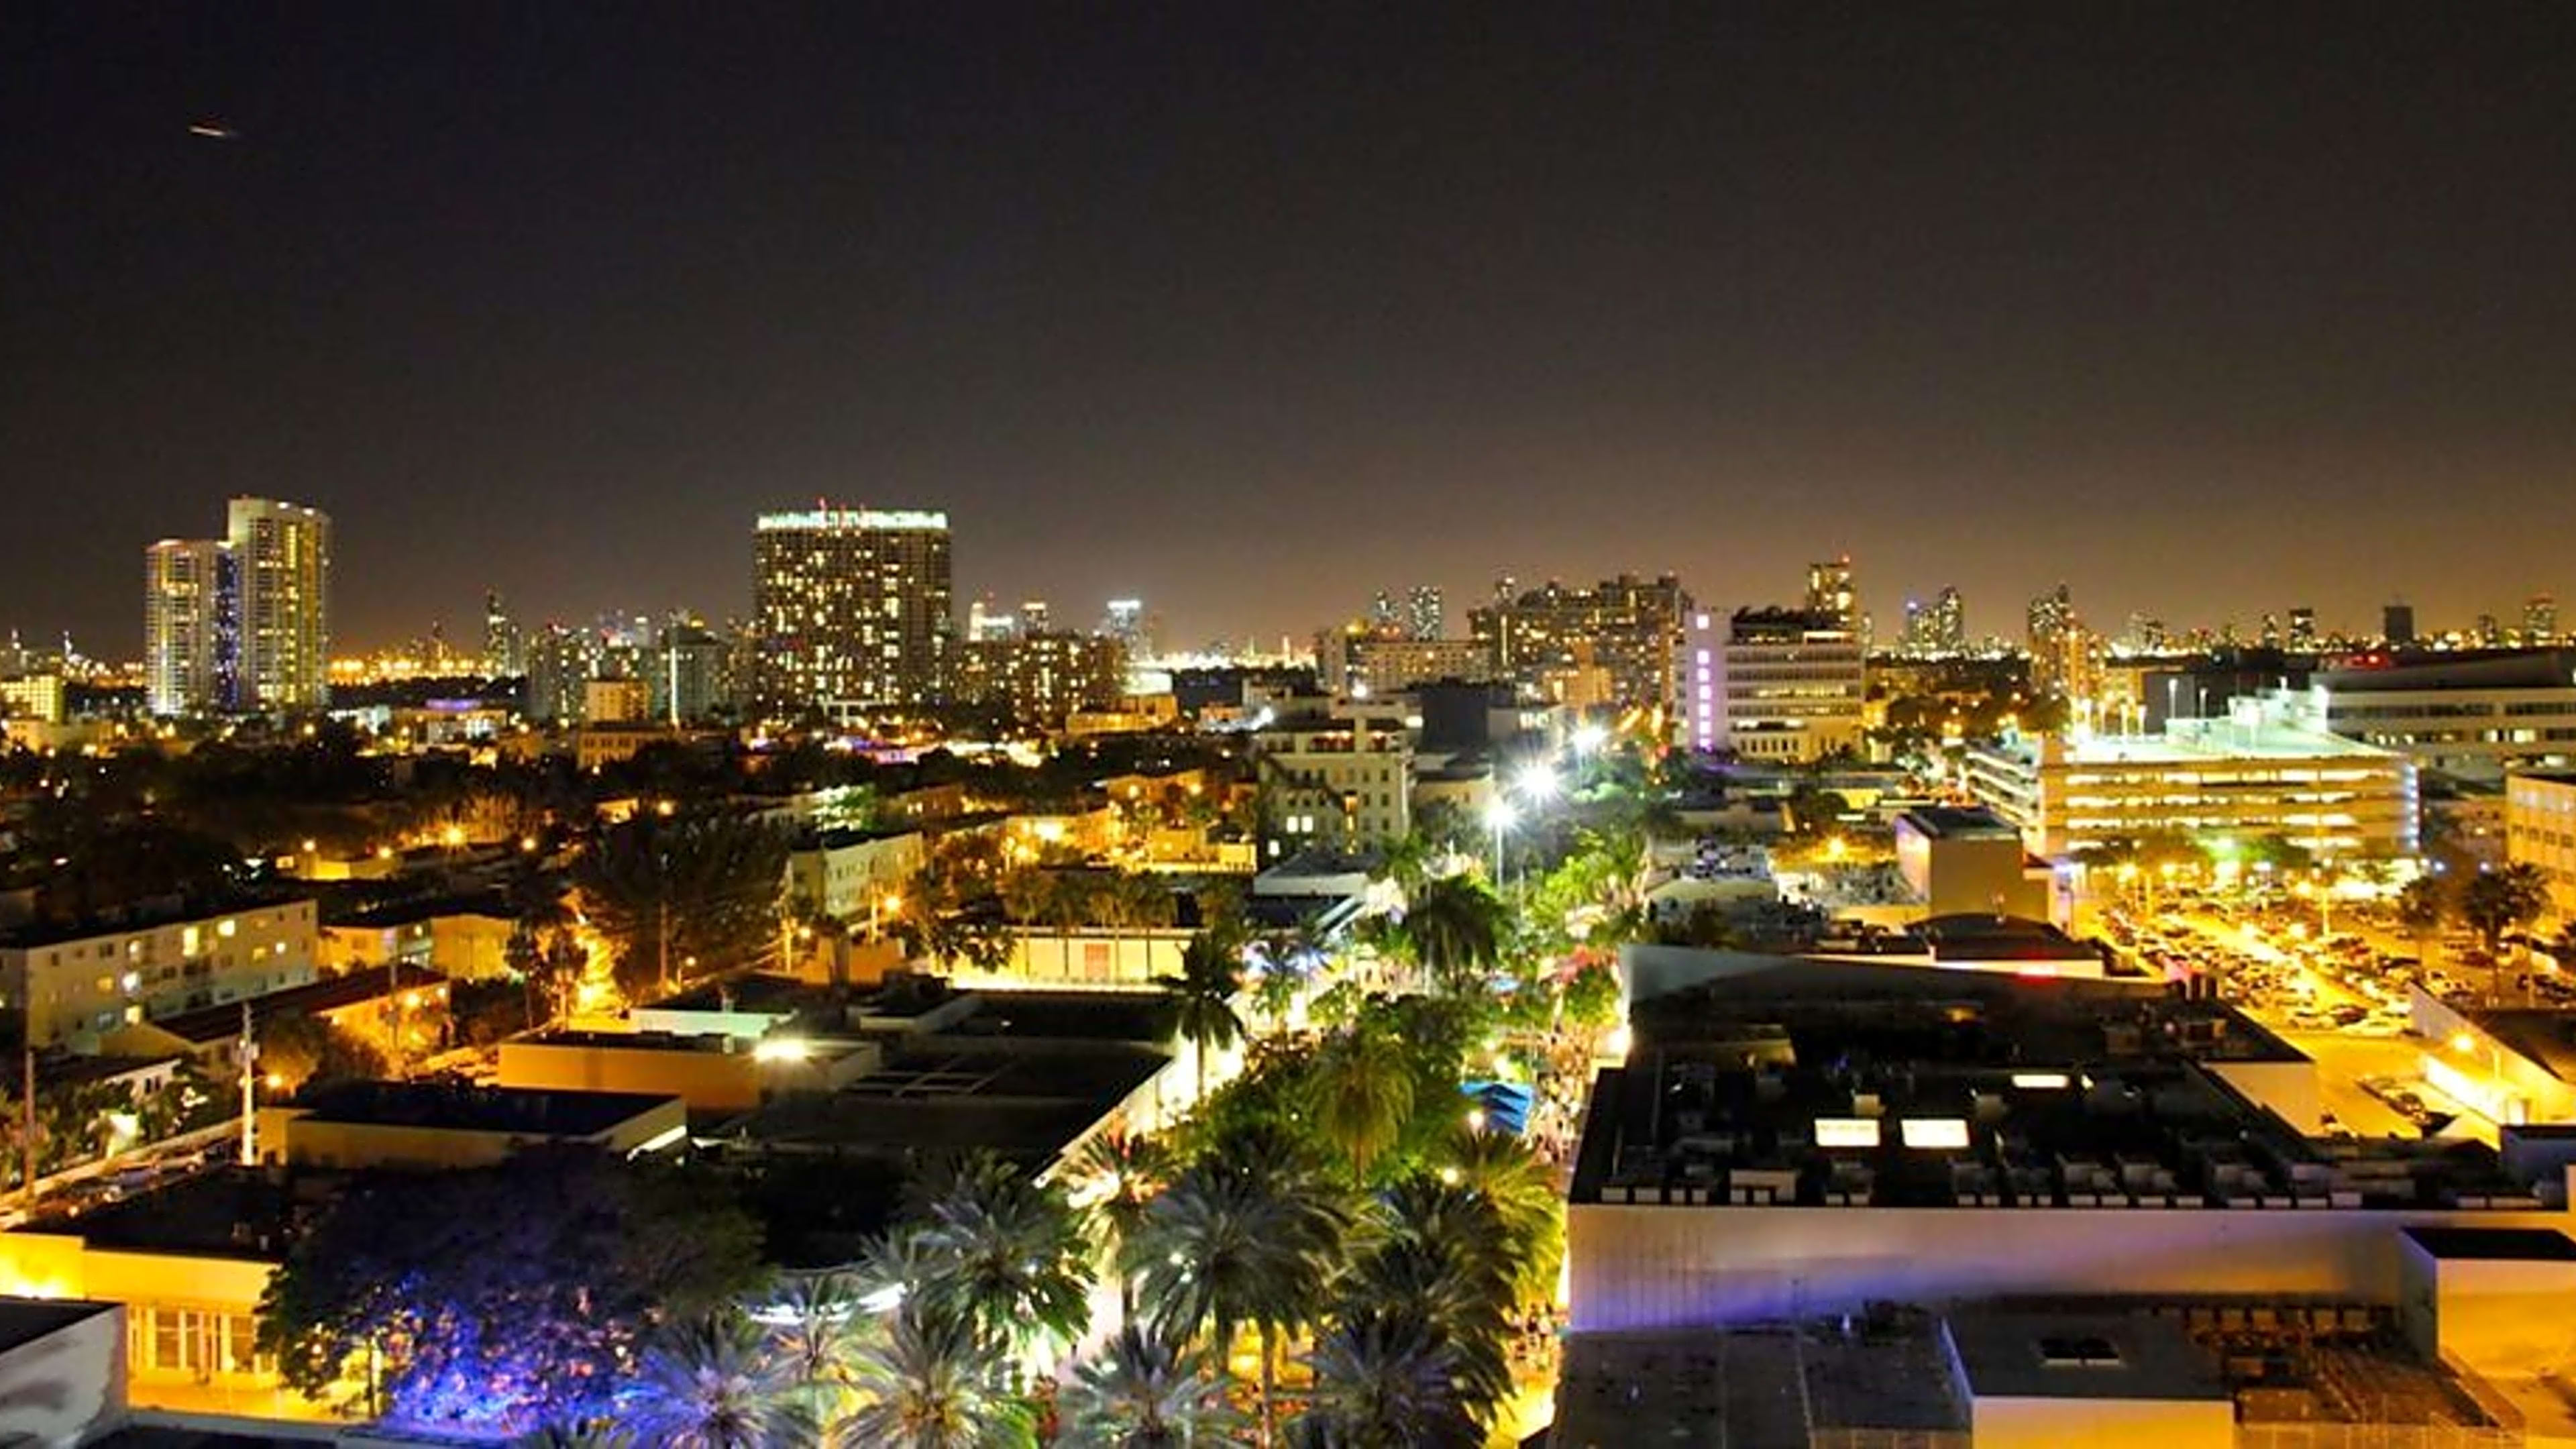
(1402,1298)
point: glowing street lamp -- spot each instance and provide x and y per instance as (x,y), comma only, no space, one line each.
(1537,784)
(1589,737)
(1500,816)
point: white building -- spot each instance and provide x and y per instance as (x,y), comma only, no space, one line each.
(2474,717)
(849,874)
(2540,830)
(76,982)
(2253,773)
(1775,685)
(189,615)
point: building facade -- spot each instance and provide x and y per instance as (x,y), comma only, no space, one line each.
(2253,773)
(1042,678)
(1781,686)
(852,607)
(72,984)
(1628,629)
(282,557)
(2472,717)
(190,614)
(2540,830)
(1339,784)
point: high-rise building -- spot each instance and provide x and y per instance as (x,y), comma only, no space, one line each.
(190,609)
(2303,628)
(2051,622)
(1125,621)
(561,664)
(2397,624)
(504,655)
(1937,629)
(1782,686)
(1041,678)
(853,607)
(282,557)
(1424,617)
(1629,629)
(688,672)
(2540,621)
(1830,594)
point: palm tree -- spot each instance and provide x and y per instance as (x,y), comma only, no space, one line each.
(1006,1256)
(1362,1082)
(1456,929)
(815,1328)
(1143,1392)
(1446,1257)
(1383,1380)
(1247,1236)
(2424,906)
(1202,999)
(2498,901)
(1523,1191)
(585,1436)
(1125,1171)
(716,1384)
(930,1383)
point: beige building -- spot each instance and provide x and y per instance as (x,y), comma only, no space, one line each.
(852,608)
(34,696)
(1333,782)
(281,556)
(2250,774)
(616,701)
(850,874)
(74,983)
(2540,830)
(2475,717)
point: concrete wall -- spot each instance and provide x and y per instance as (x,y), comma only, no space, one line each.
(66,1387)
(1999,1423)
(1643,1267)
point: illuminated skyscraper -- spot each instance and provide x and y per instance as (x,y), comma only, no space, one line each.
(2540,621)
(189,607)
(282,556)
(504,651)
(2051,633)
(852,607)
(1830,593)
(1424,615)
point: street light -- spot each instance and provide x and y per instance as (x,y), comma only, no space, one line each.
(1537,784)
(1500,816)
(1589,737)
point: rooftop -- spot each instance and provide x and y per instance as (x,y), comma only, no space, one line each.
(2501,1245)
(1952,822)
(529,1111)
(1942,1089)
(229,1213)
(24,1320)
(944,1096)
(332,993)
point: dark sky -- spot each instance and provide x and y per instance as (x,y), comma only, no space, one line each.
(1254,309)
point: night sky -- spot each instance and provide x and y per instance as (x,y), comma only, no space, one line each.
(1255,309)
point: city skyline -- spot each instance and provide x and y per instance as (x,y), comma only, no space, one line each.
(2207,313)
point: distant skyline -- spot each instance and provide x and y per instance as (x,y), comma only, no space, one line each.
(1253,310)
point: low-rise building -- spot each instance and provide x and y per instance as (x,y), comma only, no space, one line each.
(2252,773)
(437,1126)
(1337,783)
(189,1263)
(460,940)
(849,875)
(73,983)
(1963,861)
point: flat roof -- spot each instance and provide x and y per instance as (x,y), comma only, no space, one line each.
(2545,1036)
(2504,1245)
(1956,1089)
(231,1212)
(2083,1356)
(24,1320)
(221,1023)
(440,1106)
(1958,822)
